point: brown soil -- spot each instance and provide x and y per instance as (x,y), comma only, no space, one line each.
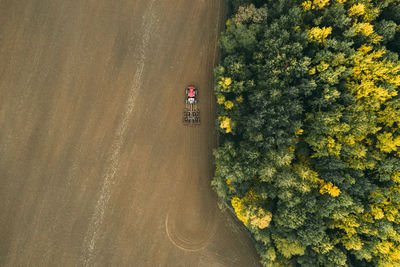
(96,168)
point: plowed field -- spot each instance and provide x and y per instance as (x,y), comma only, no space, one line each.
(96,168)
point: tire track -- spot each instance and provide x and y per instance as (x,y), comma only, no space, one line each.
(193,135)
(92,234)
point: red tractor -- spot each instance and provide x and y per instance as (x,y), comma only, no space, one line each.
(191,114)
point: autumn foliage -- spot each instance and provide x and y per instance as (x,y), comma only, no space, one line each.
(309,121)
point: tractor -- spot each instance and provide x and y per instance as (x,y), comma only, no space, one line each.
(191,114)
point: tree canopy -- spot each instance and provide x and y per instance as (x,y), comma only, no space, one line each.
(309,121)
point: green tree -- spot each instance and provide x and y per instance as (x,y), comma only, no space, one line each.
(309,117)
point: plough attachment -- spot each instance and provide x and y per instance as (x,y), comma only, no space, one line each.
(191,117)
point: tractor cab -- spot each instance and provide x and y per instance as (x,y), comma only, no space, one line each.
(191,100)
(191,95)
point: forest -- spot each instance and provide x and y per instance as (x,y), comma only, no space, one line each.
(309,129)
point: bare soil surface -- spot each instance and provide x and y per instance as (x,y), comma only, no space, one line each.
(96,168)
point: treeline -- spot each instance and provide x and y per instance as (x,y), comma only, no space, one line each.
(309,117)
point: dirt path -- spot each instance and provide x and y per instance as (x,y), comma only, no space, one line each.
(96,168)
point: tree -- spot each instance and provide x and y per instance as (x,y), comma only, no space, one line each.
(309,117)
